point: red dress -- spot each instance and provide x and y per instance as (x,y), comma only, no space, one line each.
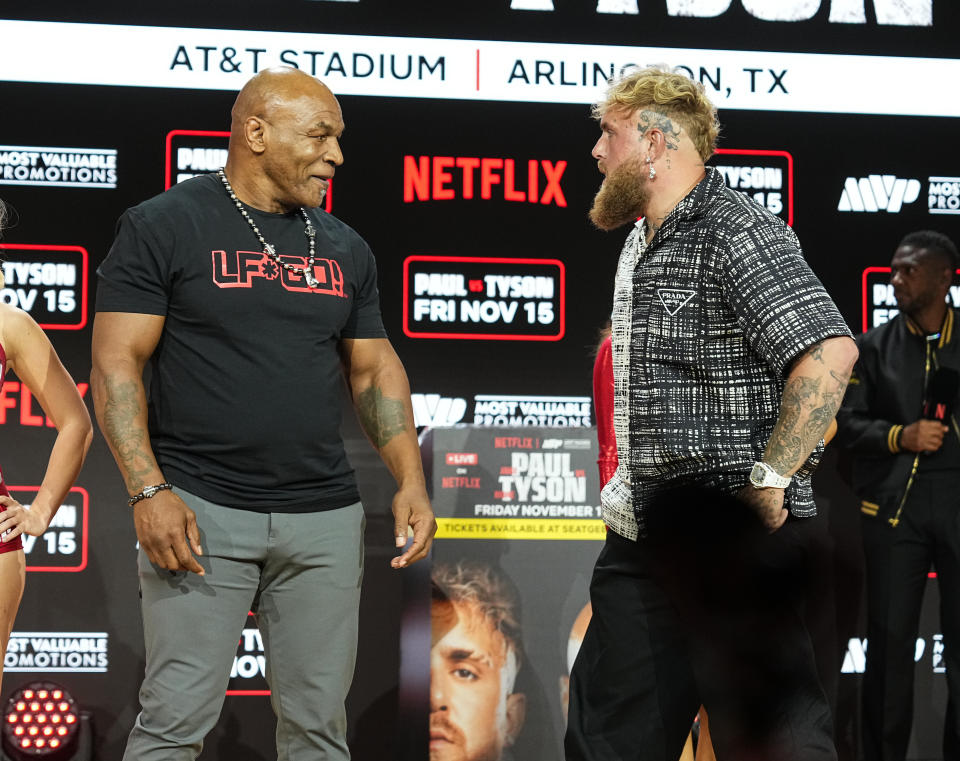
(16,544)
(603,404)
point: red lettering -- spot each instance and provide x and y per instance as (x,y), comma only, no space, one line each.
(510,192)
(327,271)
(459,482)
(462,458)
(468,165)
(7,402)
(238,269)
(10,390)
(427,178)
(553,190)
(416,178)
(440,177)
(533,180)
(941,412)
(487,177)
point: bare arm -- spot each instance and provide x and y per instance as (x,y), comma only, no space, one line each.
(381,395)
(811,397)
(31,356)
(122,344)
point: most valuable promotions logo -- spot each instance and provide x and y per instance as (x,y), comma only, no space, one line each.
(512,410)
(58,167)
(943,195)
(52,652)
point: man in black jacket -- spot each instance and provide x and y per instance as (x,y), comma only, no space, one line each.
(898,418)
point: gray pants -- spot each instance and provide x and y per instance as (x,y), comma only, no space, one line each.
(300,573)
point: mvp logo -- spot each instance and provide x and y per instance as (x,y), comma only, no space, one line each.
(435,410)
(878,193)
(673,299)
(446,178)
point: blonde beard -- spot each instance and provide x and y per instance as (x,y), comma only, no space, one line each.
(623,197)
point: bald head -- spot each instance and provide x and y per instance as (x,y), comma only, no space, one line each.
(274,90)
(284,140)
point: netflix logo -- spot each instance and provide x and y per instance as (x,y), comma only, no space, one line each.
(450,178)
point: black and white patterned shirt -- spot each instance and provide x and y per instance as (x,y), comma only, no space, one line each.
(722,303)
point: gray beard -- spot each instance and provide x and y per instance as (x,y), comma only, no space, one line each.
(622,198)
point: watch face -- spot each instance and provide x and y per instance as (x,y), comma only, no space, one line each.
(757,475)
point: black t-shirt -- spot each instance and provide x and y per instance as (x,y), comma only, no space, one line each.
(246,383)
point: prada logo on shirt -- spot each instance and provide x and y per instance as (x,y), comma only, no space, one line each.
(674,299)
(241,269)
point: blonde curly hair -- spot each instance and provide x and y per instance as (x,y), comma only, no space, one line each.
(662,89)
(494,595)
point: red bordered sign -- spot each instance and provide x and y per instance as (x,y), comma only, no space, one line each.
(49,282)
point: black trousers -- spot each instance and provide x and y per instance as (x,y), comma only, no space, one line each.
(709,610)
(897,562)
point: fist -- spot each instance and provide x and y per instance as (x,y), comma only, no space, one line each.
(923,436)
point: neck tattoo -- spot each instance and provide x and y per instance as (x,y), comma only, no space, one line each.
(310,231)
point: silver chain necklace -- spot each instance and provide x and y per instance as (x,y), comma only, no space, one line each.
(310,231)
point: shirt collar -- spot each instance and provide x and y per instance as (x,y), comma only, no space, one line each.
(693,204)
(946,330)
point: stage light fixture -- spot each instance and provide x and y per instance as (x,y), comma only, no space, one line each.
(42,722)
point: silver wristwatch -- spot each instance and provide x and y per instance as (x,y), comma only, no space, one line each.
(764,477)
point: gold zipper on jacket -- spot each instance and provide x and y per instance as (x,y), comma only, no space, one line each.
(895,520)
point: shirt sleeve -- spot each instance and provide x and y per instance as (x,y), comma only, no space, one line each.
(365,320)
(134,277)
(780,304)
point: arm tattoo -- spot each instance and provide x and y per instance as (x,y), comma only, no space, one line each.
(381,417)
(815,352)
(808,406)
(120,413)
(648,120)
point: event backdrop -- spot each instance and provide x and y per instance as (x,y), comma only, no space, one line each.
(468,170)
